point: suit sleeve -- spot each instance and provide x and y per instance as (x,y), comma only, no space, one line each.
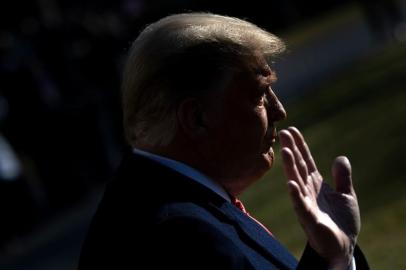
(311,260)
(190,243)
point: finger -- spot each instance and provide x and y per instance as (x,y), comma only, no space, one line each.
(287,140)
(342,175)
(290,168)
(298,201)
(303,148)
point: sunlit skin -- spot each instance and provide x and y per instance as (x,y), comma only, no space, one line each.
(330,218)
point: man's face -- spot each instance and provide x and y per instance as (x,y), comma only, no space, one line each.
(242,129)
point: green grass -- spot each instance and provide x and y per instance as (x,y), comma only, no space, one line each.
(361,115)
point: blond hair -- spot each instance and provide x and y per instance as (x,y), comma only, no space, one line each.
(183,55)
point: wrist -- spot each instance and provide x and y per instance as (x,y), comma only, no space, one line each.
(341,263)
(345,259)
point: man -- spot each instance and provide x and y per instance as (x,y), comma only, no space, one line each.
(200,115)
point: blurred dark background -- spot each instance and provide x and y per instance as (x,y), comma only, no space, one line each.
(60,118)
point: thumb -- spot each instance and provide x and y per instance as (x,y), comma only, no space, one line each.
(342,175)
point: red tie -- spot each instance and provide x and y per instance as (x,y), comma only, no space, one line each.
(240,206)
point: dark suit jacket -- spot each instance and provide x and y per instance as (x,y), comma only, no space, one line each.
(152,217)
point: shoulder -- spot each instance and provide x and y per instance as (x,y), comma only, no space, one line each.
(179,236)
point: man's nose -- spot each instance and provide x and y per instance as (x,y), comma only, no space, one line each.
(276,111)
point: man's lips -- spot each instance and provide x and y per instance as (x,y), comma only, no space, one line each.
(270,140)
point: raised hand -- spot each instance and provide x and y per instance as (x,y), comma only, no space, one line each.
(330,218)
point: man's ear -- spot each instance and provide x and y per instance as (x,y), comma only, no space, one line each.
(191,118)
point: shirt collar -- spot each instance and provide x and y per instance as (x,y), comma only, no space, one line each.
(186,170)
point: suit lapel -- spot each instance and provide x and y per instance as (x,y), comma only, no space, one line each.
(260,237)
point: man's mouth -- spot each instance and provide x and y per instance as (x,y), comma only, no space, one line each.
(270,140)
(273,134)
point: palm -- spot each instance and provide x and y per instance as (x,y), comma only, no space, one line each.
(330,218)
